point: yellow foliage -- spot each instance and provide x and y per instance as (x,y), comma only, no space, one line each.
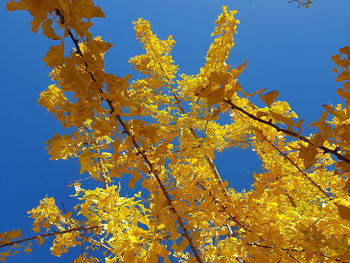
(164,131)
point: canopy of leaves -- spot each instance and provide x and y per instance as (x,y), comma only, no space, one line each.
(164,129)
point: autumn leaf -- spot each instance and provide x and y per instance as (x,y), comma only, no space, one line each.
(87,9)
(221,78)
(48,30)
(251,94)
(216,96)
(280,118)
(54,56)
(237,71)
(308,155)
(344,211)
(270,97)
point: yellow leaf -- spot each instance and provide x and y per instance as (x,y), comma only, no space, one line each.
(299,123)
(129,256)
(237,71)
(345,50)
(344,211)
(221,78)
(259,135)
(5,254)
(40,240)
(14,234)
(308,155)
(318,139)
(28,250)
(87,9)
(55,56)
(82,28)
(270,97)
(216,96)
(322,125)
(161,226)
(343,94)
(339,114)
(13,6)
(225,184)
(135,177)
(204,92)
(251,94)
(281,118)
(344,166)
(166,259)
(48,30)
(183,244)
(347,187)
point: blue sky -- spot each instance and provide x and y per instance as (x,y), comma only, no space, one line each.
(289,49)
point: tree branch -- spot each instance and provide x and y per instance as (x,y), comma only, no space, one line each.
(48,235)
(287,132)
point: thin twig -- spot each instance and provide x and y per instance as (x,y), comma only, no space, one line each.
(298,168)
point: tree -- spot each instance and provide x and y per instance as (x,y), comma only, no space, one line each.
(164,130)
(304,3)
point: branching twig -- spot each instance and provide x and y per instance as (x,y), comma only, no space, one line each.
(48,235)
(287,132)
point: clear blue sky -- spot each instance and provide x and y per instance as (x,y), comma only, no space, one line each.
(288,49)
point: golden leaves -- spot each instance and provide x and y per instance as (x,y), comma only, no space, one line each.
(63,147)
(222,85)
(73,12)
(63,242)
(45,215)
(164,132)
(219,50)
(5,237)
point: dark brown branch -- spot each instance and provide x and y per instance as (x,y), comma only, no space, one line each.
(287,132)
(48,235)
